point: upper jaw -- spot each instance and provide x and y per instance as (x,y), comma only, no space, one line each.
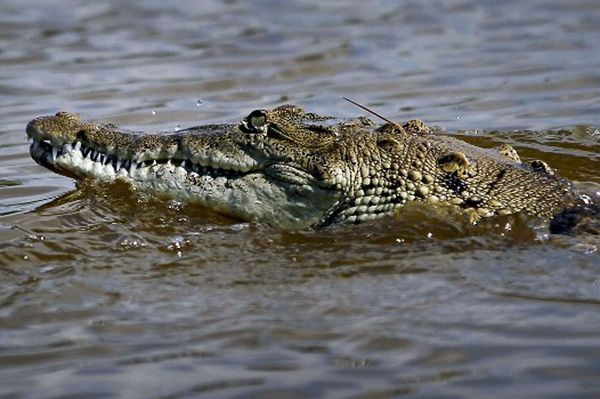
(69,146)
(64,133)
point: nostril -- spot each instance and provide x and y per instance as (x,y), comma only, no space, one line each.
(68,116)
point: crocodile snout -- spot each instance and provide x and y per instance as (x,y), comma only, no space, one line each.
(59,128)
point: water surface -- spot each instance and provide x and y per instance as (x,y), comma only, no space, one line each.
(105,295)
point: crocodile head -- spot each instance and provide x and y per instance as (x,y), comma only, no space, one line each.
(279,166)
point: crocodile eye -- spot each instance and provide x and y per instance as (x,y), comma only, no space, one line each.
(257,119)
(256,122)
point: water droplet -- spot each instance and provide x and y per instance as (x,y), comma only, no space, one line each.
(175,205)
(129,241)
(457,117)
(153,112)
(177,244)
(30,235)
(177,128)
(198,102)
(586,199)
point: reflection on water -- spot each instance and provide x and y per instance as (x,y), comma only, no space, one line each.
(131,296)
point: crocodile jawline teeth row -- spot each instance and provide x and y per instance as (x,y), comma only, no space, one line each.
(118,164)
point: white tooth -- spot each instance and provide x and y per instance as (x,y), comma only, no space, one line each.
(54,154)
(132,168)
(67,148)
(142,173)
(183,163)
(154,163)
(118,164)
(102,159)
(78,145)
(168,162)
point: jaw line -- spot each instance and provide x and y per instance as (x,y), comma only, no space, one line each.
(71,157)
(69,160)
(280,195)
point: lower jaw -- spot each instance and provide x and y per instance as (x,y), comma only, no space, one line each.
(252,197)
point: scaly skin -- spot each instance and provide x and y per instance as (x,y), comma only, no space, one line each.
(293,169)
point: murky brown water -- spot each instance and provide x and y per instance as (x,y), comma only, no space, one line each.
(127,296)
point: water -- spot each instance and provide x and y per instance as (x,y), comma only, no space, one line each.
(138,297)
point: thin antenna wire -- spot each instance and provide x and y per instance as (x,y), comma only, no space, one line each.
(368,110)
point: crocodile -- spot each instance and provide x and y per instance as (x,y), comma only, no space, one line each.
(289,168)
